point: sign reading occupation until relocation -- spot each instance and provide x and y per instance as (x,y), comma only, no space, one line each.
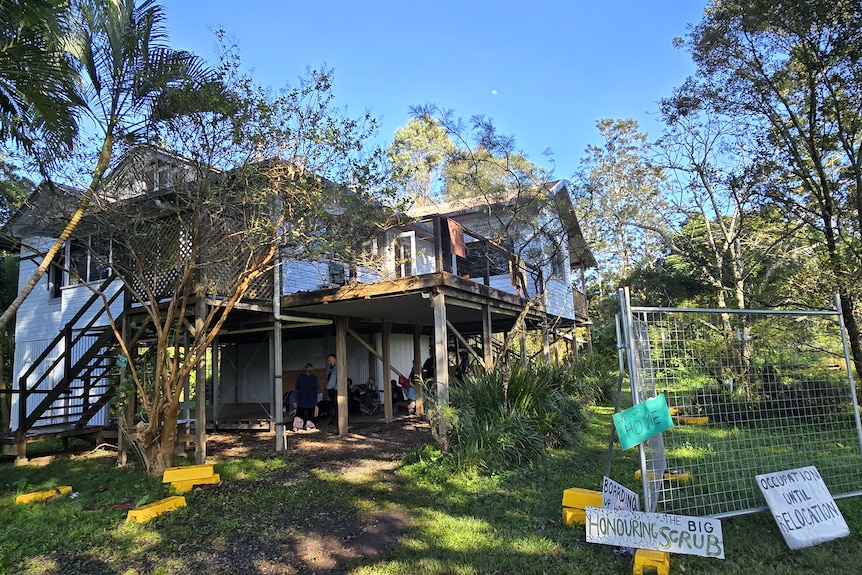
(657,531)
(802,507)
(642,421)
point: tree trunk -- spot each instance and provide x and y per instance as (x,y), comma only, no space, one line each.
(83,204)
(159,441)
(852,326)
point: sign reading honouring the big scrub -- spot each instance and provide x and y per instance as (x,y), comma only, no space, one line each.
(802,507)
(657,531)
(642,421)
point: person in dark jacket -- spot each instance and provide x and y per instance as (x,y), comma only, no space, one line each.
(306,398)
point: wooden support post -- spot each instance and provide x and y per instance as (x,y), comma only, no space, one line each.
(487,338)
(441,367)
(216,382)
(278,387)
(522,340)
(341,361)
(200,386)
(417,369)
(126,418)
(388,407)
(546,340)
(438,244)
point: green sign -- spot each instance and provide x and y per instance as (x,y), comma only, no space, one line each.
(122,362)
(642,421)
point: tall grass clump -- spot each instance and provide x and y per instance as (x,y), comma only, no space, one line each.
(592,379)
(509,417)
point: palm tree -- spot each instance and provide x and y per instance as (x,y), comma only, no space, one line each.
(127,65)
(38,96)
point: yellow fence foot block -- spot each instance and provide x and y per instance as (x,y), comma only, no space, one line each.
(649,562)
(187,472)
(575,503)
(692,420)
(42,495)
(572,516)
(186,486)
(147,512)
(678,476)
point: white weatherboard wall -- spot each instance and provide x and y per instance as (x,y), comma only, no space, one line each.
(559,299)
(38,321)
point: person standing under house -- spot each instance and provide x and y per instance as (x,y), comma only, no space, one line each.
(332,387)
(306,398)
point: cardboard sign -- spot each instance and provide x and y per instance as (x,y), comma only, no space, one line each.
(657,531)
(617,496)
(802,507)
(642,421)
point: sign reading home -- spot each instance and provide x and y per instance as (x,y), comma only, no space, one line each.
(657,531)
(802,507)
(642,421)
(618,496)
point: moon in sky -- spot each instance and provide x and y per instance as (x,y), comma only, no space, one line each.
(493,92)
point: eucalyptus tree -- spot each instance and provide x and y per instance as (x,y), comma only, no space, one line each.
(793,72)
(717,178)
(126,66)
(619,192)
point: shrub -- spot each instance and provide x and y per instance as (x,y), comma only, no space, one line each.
(506,418)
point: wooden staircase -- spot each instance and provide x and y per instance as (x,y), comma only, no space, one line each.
(71,381)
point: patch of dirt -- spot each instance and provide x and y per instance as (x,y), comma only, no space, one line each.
(321,542)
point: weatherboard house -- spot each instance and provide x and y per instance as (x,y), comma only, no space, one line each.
(454,282)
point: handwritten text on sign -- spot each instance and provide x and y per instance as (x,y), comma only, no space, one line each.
(657,531)
(618,496)
(642,421)
(802,507)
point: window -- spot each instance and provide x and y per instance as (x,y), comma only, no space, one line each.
(405,248)
(55,275)
(89,259)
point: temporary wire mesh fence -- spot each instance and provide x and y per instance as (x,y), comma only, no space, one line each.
(751,392)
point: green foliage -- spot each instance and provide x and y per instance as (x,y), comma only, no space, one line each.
(38,96)
(593,379)
(505,419)
(417,156)
(618,198)
(508,522)
(789,70)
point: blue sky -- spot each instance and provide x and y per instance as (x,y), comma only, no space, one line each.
(544,71)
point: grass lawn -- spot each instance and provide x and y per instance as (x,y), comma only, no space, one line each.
(507,523)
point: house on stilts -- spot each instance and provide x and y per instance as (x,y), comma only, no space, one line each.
(451,281)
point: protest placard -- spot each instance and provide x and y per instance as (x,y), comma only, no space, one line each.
(657,531)
(642,421)
(802,507)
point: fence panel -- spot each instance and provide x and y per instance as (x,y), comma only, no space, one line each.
(751,392)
